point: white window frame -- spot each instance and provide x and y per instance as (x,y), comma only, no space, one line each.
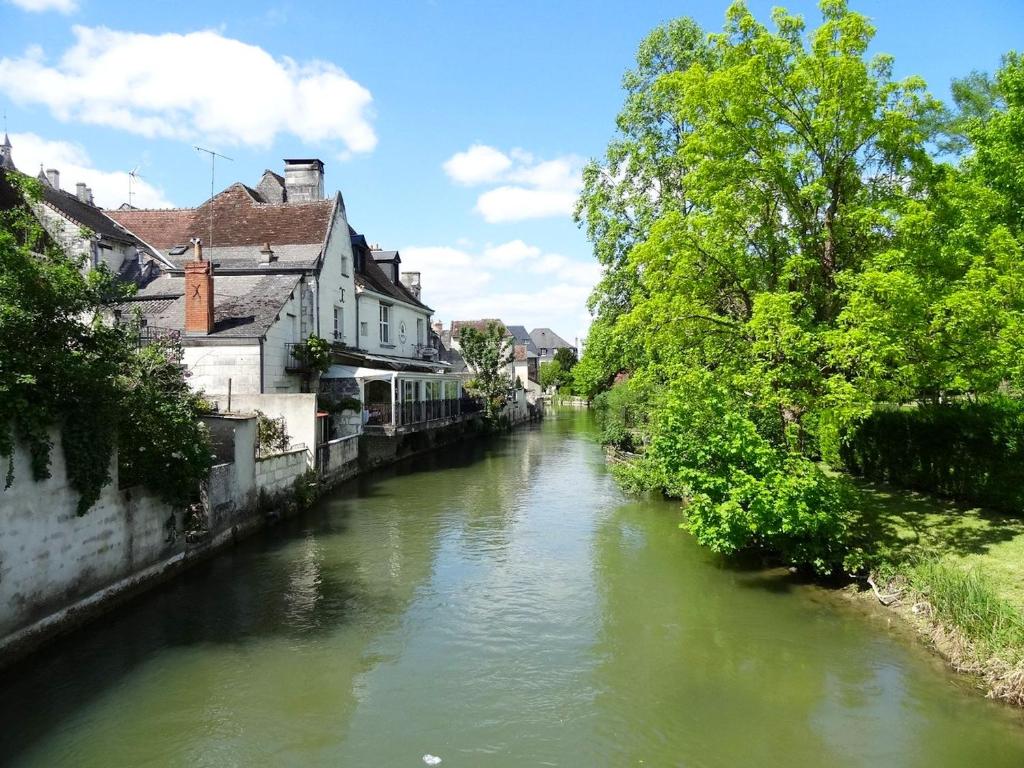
(339,324)
(385,323)
(364,328)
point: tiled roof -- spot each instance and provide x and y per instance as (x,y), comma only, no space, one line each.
(248,256)
(244,306)
(239,218)
(480,325)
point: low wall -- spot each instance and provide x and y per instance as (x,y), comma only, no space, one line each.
(339,460)
(297,410)
(379,450)
(277,474)
(58,569)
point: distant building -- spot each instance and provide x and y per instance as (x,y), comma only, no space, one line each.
(548,342)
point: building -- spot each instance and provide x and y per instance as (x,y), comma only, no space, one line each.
(84,231)
(547,342)
(279,264)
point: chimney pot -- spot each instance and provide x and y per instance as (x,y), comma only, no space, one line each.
(53,177)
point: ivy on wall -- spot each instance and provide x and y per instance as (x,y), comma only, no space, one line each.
(61,365)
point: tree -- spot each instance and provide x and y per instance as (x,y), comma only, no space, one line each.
(553,374)
(488,354)
(83,375)
(790,161)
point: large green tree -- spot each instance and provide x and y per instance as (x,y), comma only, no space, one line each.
(488,353)
(758,273)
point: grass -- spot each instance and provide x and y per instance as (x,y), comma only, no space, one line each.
(963,571)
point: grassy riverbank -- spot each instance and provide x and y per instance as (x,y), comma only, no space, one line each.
(956,573)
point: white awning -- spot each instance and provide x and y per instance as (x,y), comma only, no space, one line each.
(356,372)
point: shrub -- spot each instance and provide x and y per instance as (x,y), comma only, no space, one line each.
(272,434)
(971,452)
(741,492)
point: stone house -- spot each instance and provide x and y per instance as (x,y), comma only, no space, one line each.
(547,343)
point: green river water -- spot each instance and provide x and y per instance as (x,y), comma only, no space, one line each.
(495,604)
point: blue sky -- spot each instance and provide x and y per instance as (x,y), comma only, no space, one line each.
(455,130)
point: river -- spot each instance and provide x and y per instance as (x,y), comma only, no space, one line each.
(493,604)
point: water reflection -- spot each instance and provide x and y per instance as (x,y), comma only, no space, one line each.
(497,604)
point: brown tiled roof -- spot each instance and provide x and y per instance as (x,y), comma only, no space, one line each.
(239,218)
(480,325)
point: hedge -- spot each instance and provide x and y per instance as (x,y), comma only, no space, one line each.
(971,452)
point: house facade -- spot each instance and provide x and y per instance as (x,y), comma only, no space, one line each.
(547,343)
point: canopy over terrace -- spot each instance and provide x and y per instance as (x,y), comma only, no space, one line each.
(397,398)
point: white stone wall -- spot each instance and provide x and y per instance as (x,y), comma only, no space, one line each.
(287,330)
(369,312)
(277,474)
(211,366)
(298,411)
(335,288)
(49,556)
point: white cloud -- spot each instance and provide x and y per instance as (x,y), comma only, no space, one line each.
(38,6)
(477,165)
(510,253)
(527,188)
(506,204)
(109,188)
(515,281)
(192,86)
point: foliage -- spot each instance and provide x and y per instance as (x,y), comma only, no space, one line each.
(272,434)
(741,492)
(83,375)
(622,414)
(554,374)
(314,357)
(488,353)
(971,452)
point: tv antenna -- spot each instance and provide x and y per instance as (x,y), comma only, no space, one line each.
(133,176)
(213,168)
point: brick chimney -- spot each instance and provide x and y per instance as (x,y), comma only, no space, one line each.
(266,255)
(53,177)
(198,293)
(82,192)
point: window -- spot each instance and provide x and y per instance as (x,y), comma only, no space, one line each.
(363,328)
(419,332)
(344,265)
(385,324)
(339,323)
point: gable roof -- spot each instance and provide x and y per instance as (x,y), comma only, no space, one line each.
(545,338)
(239,218)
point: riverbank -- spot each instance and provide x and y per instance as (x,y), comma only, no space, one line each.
(59,570)
(955,575)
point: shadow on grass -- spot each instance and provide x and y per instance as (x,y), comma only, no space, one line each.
(902,522)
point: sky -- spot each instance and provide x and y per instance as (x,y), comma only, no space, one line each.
(456,131)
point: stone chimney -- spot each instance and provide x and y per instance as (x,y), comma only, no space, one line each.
(266,255)
(53,177)
(411,281)
(438,326)
(198,293)
(88,195)
(303,180)
(82,192)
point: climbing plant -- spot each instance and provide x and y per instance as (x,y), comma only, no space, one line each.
(62,366)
